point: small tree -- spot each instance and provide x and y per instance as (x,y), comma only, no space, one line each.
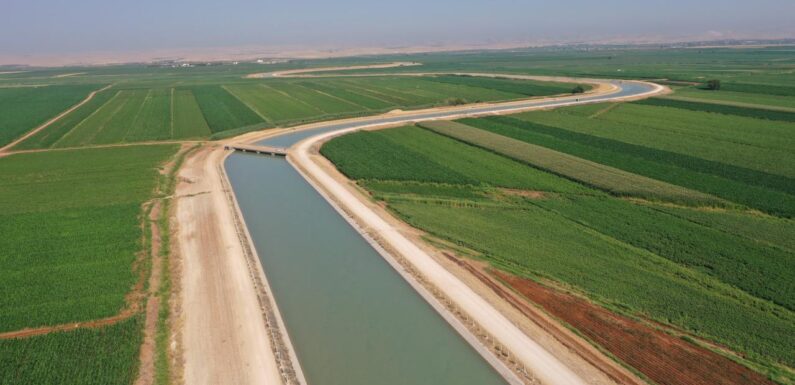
(578,90)
(455,101)
(713,85)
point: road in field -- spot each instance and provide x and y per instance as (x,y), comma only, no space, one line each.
(350,318)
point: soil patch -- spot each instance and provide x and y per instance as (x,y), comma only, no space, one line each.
(663,358)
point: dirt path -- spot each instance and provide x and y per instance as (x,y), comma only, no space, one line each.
(53,120)
(288,73)
(146,369)
(224,337)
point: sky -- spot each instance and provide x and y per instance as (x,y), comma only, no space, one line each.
(53,27)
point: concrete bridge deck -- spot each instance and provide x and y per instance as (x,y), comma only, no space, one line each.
(265,150)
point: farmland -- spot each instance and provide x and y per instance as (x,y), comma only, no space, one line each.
(671,214)
(86,356)
(615,235)
(71,252)
(24,108)
(664,145)
(144,114)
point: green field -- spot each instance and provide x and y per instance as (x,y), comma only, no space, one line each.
(607,178)
(727,274)
(71,225)
(708,152)
(24,108)
(677,209)
(142,113)
(83,357)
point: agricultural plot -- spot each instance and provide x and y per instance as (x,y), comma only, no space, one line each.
(758,113)
(160,112)
(24,108)
(106,356)
(221,110)
(766,191)
(414,154)
(740,98)
(534,242)
(755,144)
(125,116)
(188,121)
(590,173)
(47,137)
(726,274)
(71,231)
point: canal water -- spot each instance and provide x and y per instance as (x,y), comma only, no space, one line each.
(352,319)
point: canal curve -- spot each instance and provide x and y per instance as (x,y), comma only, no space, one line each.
(351,318)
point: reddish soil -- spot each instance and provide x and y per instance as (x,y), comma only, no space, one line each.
(663,358)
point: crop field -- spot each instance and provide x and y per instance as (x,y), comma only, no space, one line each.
(727,273)
(616,138)
(740,98)
(662,222)
(71,231)
(590,173)
(24,108)
(142,114)
(103,356)
(414,154)
(758,113)
(72,240)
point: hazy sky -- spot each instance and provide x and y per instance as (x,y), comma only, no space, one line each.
(60,26)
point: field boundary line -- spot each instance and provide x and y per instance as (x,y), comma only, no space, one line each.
(365,89)
(603,111)
(331,96)
(323,112)
(96,146)
(132,127)
(80,123)
(730,103)
(249,106)
(172,113)
(53,120)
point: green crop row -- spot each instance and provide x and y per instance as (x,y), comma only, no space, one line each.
(759,89)
(756,144)
(765,191)
(762,271)
(411,153)
(593,174)
(221,110)
(757,113)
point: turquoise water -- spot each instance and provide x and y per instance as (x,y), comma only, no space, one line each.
(351,318)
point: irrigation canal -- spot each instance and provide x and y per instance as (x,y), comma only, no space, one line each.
(352,319)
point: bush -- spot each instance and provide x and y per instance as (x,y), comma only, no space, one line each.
(713,85)
(578,90)
(455,101)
